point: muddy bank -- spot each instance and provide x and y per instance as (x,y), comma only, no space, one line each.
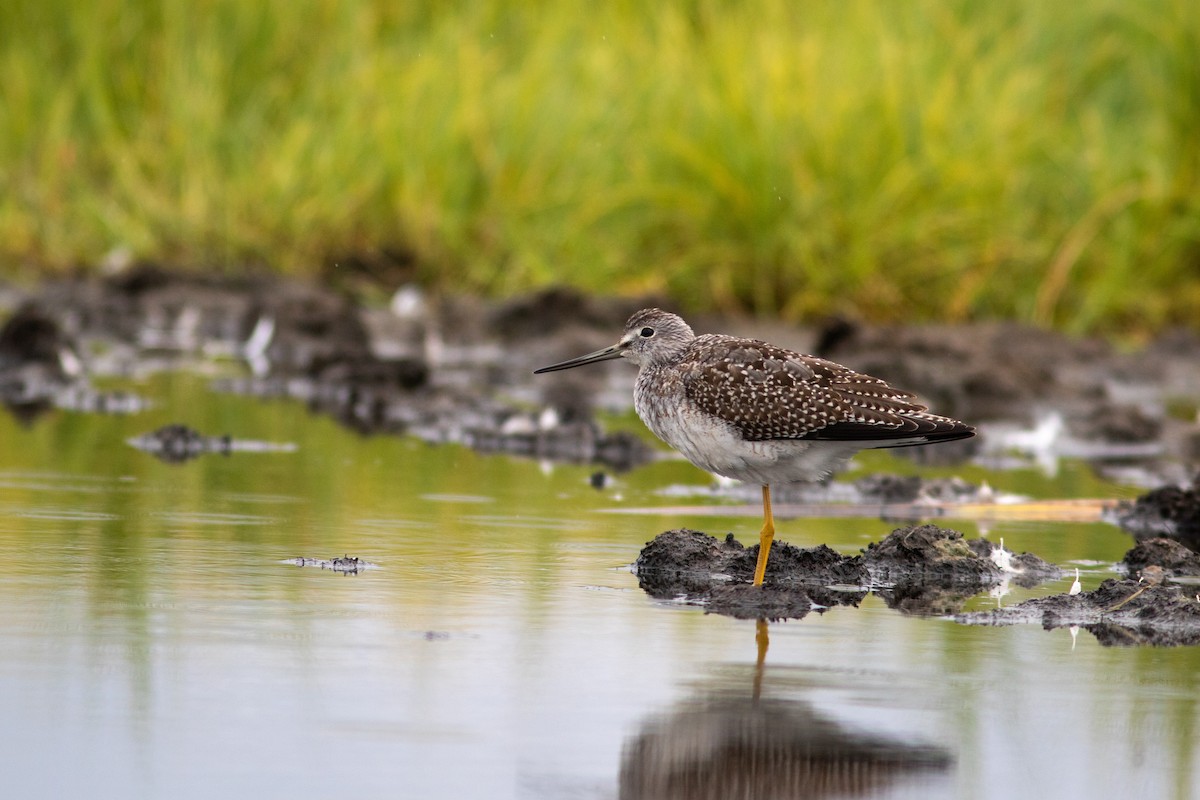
(1147,608)
(1006,371)
(441,372)
(921,570)
(457,369)
(926,570)
(1118,612)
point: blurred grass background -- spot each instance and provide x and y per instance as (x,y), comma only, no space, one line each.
(927,159)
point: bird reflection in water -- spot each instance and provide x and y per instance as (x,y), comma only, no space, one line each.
(725,744)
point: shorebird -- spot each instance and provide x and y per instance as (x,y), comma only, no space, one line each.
(751,411)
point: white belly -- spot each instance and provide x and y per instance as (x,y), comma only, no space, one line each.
(717,446)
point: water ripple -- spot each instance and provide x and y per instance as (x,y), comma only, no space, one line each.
(66,514)
(213,518)
(457,498)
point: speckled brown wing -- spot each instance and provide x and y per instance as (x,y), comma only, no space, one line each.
(768,392)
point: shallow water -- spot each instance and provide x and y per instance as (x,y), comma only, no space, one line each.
(153,643)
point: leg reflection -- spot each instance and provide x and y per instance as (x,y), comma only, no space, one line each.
(763,640)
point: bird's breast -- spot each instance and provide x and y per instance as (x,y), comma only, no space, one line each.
(716,445)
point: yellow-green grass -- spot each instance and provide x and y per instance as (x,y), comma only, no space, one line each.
(929,159)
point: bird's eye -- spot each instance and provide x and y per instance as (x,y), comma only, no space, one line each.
(647,332)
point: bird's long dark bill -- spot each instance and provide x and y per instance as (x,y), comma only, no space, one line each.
(607,354)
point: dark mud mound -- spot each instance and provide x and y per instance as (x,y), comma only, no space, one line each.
(975,371)
(37,361)
(697,568)
(178,443)
(346,565)
(927,570)
(889,488)
(900,498)
(924,569)
(1169,511)
(42,367)
(1168,555)
(1125,612)
(1106,404)
(928,553)
(31,336)
(1120,423)
(940,556)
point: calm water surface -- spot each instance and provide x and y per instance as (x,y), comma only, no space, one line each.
(152,644)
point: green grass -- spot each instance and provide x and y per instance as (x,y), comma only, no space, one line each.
(929,158)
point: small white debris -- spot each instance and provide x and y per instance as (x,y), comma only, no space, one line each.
(548,420)
(518,425)
(408,302)
(1003,558)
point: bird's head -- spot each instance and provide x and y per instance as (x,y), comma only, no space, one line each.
(652,336)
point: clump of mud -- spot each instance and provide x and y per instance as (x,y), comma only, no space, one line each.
(930,554)
(920,569)
(889,488)
(41,368)
(1118,612)
(1169,511)
(33,361)
(700,569)
(176,443)
(1145,611)
(346,564)
(927,570)
(1168,555)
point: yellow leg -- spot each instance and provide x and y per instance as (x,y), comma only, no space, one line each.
(764,537)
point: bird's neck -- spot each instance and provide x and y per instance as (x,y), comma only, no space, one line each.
(657,392)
